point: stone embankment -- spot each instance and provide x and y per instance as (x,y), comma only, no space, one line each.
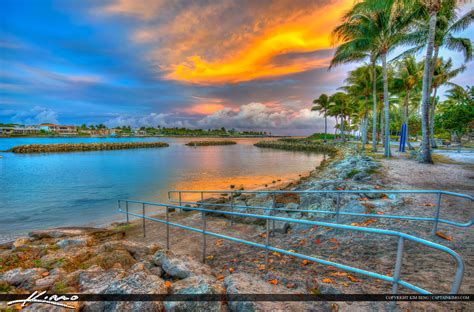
(210,143)
(83,147)
(344,171)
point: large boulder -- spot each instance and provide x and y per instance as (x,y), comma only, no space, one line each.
(76,241)
(202,284)
(180,266)
(120,282)
(24,278)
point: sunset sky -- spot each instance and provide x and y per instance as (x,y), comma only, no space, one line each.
(230,63)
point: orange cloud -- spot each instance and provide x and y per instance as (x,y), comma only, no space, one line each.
(227,42)
(203,109)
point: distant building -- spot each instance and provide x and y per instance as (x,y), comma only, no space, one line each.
(95,132)
(19,130)
(59,129)
(139,132)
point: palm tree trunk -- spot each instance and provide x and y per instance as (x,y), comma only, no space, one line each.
(374,116)
(425,151)
(325,126)
(365,123)
(386,103)
(432,115)
(342,129)
(406,117)
(433,66)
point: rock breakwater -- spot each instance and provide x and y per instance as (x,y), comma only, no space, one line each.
(83,147)
(210,143)
(298,145)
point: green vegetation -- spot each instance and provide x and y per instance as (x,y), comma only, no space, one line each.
(298,145)
(353,172)
(387,92)
(210,143)
(175,131)
(125,227)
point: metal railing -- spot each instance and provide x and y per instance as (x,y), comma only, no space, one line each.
(402,237)
(233,194)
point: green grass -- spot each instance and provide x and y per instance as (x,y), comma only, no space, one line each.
(125,227)
(353,172)
(59,287)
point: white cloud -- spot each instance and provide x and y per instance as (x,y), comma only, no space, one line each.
(36,115)
(260,116)
(151,120)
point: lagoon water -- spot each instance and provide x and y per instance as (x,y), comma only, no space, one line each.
(82,188)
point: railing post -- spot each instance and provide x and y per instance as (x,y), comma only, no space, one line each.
(167,228)
(181,209)
(398,266)
(338,206)
(143,218)
(203,237)
(232,208)
(126,209)
(267,241)
(272,212)
(436,216)
(202,196)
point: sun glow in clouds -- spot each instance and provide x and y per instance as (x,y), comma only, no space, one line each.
(209,44)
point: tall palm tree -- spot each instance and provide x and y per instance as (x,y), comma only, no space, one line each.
(358,43)
(432,7)
(443,24)
(447,25)
(375,28)
(322,105)
(340,107)
(360,88)
(407,81)
(443,72)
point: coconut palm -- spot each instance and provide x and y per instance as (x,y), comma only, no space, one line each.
(443,72)
(322,105)
(447,25)
(432,7)
(340,107)
(360,88)
(407,82)
(374,28)
(358,43)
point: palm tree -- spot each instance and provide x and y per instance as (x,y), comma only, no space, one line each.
(433,7)
(322,105)
(340,107)
(375,27)
(447,25)
(360,88)
(407,81)
(442,73)
(358,43)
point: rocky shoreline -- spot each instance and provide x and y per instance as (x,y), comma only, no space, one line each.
(83,147)
(113,260)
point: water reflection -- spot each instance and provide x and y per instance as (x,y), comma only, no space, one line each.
(48,190)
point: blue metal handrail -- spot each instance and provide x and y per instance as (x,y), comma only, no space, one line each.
(436,219)
(395,279)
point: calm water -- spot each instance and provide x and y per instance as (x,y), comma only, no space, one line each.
(82,188)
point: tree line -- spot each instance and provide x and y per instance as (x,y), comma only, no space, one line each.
(382,93)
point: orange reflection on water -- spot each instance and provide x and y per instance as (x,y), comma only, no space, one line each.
(260,182)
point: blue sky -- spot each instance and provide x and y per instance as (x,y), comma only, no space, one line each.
(205,64)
